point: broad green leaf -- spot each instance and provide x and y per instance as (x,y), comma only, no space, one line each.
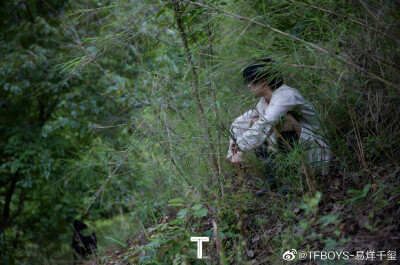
(366,189)
(176,204)
(200,213)
(197,207)
(176,200)
(182,213)
(354,191)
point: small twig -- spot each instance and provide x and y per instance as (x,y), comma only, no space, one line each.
(218,243)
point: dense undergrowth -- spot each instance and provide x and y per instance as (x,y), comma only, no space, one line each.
(351,78)
(259,230)
(159,83)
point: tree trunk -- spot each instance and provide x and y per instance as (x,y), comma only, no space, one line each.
(6,210)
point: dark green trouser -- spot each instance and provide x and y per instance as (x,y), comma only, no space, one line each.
(263,153)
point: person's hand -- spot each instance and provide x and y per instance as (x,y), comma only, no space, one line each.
(237,161)
(254,120)
(234,148)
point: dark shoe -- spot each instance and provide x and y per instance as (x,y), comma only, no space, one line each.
(284,190)
(261,192)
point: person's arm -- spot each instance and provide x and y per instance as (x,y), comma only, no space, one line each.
(235,157)
(238,127)
(254,137)
(242,123)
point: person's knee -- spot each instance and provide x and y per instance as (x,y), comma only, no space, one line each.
(290,124)
(286,127)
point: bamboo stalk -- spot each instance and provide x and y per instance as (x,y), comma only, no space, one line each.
(216,112)
(195,90)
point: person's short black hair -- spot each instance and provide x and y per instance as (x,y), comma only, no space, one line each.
(263,70)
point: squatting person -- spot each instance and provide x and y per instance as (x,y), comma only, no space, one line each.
(281,118)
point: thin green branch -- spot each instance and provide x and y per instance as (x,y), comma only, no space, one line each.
(338,15)
(339,58)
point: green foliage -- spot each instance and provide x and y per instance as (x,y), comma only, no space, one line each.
(169,241)
(358,195)
(310,204)
(51,160)
(104,111)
